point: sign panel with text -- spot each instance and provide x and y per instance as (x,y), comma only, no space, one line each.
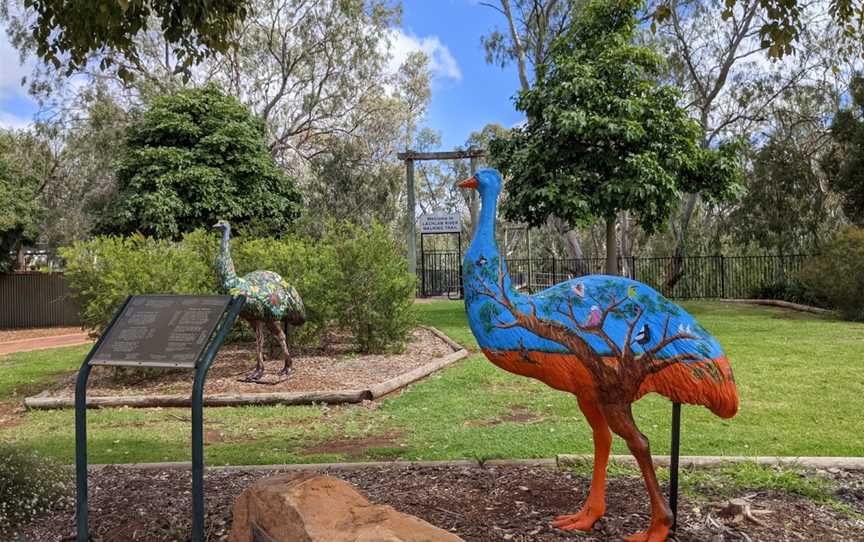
(162,331)
(441,223)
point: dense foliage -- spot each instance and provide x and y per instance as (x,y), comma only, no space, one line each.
(603,136)
(193,158)
(836,277)
(845,164)
(102,272)
(375,293)
(30,485)
(20,207)
(351,278)
(68,33)
(785,209)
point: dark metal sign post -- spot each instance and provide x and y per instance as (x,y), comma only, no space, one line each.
(167,331)
(673,463)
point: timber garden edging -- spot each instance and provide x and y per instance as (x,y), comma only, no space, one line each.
(280,398)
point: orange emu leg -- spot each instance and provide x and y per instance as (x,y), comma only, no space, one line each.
(620,420)
(595,504)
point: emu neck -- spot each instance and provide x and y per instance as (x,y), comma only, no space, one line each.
(484,252)
(485,236)
(225,265)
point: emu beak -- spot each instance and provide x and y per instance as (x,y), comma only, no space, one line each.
(468,183)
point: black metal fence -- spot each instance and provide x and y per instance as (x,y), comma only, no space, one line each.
(723,277)
(36,300)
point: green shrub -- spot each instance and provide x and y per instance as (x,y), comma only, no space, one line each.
(29,486)
(836,276)
(375,296)
(351,278)
(309,266)
(790,289)
(103,271)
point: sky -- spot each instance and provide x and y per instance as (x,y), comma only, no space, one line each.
(467,93)
(475,93)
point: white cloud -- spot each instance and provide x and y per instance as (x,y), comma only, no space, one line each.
(11,69)
(11,121)
(441,61)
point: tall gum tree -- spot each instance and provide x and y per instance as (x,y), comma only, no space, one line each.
(604,136)
(733,82)
(532,28)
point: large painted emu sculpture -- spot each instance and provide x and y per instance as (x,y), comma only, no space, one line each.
(269,301)
(608,340)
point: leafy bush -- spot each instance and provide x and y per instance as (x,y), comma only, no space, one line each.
(836,276)
(103,271)
(29,486)
(352,278)
(308,266)
(375,294)
(194,157)
(790,289)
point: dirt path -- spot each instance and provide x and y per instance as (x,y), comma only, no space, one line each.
(42,342)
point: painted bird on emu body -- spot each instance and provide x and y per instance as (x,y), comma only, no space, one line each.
(608,340)
(270,300)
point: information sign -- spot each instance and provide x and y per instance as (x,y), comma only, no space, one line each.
(441,223)
(161,331)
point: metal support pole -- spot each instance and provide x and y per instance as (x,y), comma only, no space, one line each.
(410,226)
(528,240)
(673,463)
(422,267)
(81,507)
(461,284)
(475,199)
(198,419)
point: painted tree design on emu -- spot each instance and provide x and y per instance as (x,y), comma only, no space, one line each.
(608,340)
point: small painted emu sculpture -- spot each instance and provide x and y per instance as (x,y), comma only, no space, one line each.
(269,301)
(608,340)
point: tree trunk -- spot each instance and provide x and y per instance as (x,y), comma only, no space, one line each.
(611,247)
(676,267)
(20,260)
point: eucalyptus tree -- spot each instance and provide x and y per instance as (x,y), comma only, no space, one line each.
(316,71)
(720,56)
(845,162)
(532,28)
(603,135)
(66,34)
(21,205)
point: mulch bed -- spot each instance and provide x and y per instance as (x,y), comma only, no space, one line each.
(482,505)
(334,366)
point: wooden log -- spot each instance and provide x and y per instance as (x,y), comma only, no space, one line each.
(782,304)
(453,344)
(444,155)
(150,401)
(851,463)
(402,380)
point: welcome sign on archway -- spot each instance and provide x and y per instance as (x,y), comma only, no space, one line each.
(432,282)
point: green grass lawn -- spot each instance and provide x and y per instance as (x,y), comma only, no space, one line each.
(800,379)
